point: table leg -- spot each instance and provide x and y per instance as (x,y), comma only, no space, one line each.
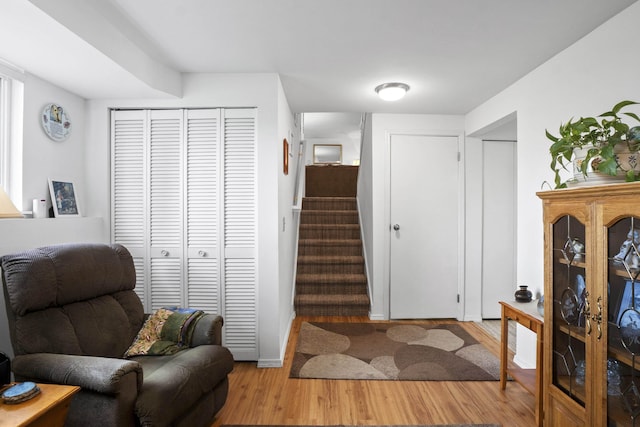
(504,337)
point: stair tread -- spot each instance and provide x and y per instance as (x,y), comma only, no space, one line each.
(341,198)
(330,259)
(330,211)
(322,225)
(331,298)
(332,277)
(331,241)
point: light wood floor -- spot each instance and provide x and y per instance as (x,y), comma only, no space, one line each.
(269,396)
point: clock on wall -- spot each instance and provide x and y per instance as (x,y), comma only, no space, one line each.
(56,122)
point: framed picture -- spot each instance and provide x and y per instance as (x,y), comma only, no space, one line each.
(63,198)
(285,156)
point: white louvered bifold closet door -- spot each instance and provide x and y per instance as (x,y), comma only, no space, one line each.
(240,232)
(165,208)
(128,192)
(184,204)
(203,219)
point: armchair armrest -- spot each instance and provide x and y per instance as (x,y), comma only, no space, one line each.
(99,374)
(208,330)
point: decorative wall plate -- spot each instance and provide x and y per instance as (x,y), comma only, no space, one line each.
(56,122)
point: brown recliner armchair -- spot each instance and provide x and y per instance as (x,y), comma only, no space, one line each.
(73,314)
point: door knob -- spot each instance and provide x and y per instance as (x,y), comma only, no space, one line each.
(396,227)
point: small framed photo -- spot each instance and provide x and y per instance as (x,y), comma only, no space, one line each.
(285,157)
(64,198)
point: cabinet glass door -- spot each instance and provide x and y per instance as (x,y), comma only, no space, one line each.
(569,296)
(623,320)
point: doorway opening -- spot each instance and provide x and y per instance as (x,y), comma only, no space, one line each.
(499,214)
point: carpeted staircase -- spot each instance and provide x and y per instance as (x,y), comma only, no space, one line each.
(330,277)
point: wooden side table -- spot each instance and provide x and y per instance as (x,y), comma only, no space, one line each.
(527,315)
(47,409)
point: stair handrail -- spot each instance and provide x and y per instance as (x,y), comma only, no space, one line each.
(299,179)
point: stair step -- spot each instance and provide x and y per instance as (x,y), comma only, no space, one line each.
(329,264)
(329,203)
(330,259)
(329,217)
(329,231)
(335,247)
(343,289)
(332,278)
(331,288)
(332,305)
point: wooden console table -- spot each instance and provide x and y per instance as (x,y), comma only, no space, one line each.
(527,315)
(47,409)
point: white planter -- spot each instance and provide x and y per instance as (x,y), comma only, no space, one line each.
(626,161)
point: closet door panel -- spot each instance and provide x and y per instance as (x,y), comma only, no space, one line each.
(202,218)
(165,208)
(239,180)
(203,284)
(128,186)
(240,308)
(240,233)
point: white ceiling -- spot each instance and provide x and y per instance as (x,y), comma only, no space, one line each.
(330,54)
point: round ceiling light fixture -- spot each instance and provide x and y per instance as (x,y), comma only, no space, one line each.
(392,91)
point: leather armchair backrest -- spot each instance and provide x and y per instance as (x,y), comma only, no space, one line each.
(72,299)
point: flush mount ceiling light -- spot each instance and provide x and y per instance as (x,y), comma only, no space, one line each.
(392,91)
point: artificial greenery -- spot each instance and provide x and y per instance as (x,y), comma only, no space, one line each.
(600,135)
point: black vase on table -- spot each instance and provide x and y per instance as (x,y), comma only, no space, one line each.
(523,294)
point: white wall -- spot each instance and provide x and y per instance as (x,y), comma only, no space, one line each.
(288,231)
(587,78)
(350,148)
(43,158)
(365,199)
(382,126)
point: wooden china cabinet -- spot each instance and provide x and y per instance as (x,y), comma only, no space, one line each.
(592,306)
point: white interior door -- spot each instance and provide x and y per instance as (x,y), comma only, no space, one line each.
(424,226)
(498,226)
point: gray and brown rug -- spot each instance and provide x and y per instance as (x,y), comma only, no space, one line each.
(391,351)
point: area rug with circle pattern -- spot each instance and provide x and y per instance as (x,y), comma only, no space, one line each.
(392,351)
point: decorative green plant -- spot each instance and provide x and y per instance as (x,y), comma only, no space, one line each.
(600,136)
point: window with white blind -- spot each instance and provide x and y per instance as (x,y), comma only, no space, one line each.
(4,131)
(11,106)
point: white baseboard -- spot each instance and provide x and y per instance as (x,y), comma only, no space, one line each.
(270,363)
